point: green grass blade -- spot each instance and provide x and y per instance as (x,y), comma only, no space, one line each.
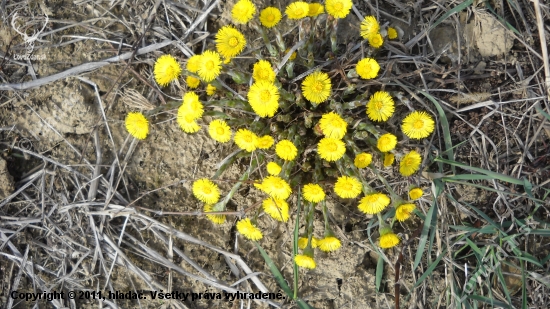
(540,110)
(466,177)
(430,269)
(503,284)
(275,271)
(379,272)
(523,286)
(456,9)
(494,303)
(424,235)
(295,245)
(443,118)
(492,174)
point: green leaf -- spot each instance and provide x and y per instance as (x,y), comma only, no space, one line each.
(424,235)
(379,271)
(275,271)
(494,303)
(492,174)
(456,9)
(430,269)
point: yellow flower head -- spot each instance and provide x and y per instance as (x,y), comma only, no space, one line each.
(410,163)
(297,10)
(293,56)
(369,27)
(276,209)
(387,142)
(166,70)
(367,68)
(192,82)
(362,160)
(376,40)
(263,71)
(270,17)
(380,106)
(249,230)
(388,159)
(217,219)
(338,8)
(316,87)
(243,11)
(186,120)
(210,90)
(331,149)
(219,131)
(333,125)
(315,9)
(329,244)
(374,203)
(302,242)
(229,42)
(403,211)
(392,33)
(304,261)
(246,139)
(273,168)
(137,125)
(210,66)
(418,125)
(192,105)
(313,193)
(193,64)
(263,97)
(265,142)
(276,187)
(415,193)
(206,191)
(347,187)
(286,150)
(388,240)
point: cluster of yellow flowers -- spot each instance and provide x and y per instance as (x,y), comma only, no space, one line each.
(263,98)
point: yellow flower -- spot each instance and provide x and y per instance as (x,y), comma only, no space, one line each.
(367,68)
(418,125)
(388,240)
(347,187)
(276,209)
(219,131)
(192,82)
(297,10)
(186,120)
(331,149)
(206,191)
(293,56)
(263,97)
(229,42)
(329,244)
(137,125)
(304,261)
(193,64)
(316,87)
(262,70)
(410,163)
(376,40)
(315,9)
(369,27)
(217,219)
(166,70)
(210,90)
(246,140)
(270,17)
(362,160)
(388,159)
(286,150)
(192,105)
(387,142)
(302,242)
(392,33)
(374,203)
(380,106)
(210,66)
(338,8)
(276,187)
(403,211)
(273,168)
(243,11)
(333,125)
(313,193)
(415,193)
(265,142)
(249,230)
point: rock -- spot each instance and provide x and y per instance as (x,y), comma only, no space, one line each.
(6,180)
(488,36)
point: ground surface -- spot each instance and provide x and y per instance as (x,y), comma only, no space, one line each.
(487,78)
